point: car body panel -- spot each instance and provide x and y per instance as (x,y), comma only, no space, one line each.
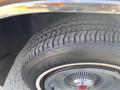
(18,7)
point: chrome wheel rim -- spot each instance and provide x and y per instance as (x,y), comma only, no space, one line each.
(95,77)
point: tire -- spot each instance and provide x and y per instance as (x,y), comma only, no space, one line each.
(74,39)
(39,21)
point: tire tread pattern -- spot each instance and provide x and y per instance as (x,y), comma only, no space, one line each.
(72,30)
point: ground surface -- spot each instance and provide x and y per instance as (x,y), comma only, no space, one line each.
(14,80)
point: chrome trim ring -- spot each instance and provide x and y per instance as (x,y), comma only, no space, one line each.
(39,79)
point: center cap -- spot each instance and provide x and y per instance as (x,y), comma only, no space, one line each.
(83,84)
(82,87)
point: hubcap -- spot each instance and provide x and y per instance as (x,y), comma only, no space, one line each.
(80,78)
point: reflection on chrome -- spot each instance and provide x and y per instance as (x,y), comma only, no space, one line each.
(17,7)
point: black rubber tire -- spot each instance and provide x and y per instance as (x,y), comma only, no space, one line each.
(39,21)
(75,39)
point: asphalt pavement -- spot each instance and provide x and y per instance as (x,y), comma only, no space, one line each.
(14,80)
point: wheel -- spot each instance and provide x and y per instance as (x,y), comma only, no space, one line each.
(79,52)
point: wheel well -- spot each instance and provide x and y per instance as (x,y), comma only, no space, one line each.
(14,33)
